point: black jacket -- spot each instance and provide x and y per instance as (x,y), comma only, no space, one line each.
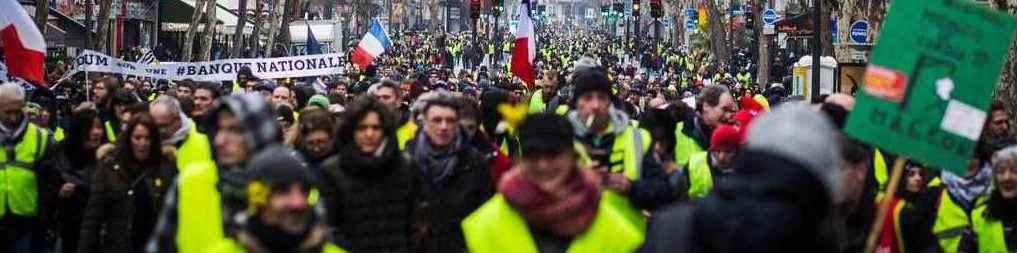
(370,200)
(124,202)
(445,203)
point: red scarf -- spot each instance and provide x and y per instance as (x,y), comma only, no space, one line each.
(566,212)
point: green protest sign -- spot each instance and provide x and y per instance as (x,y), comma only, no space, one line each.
(930,80)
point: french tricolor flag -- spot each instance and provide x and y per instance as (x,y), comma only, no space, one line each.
(524,51)
(24,46)
(375,43)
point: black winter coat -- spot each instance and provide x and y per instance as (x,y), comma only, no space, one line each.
(445,203)
(125,201)
(370,199)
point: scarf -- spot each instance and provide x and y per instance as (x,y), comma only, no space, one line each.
(968,189)
(566,213)
(370,165)
(437,165)
(7,134)
(619,120)
(180,134)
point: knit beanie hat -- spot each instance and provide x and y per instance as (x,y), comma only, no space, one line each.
(801,135)
(318,100)
(725,137)
(588,80)
(545,133)
(277,166)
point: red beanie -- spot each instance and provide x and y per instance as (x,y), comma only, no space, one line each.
(725,137)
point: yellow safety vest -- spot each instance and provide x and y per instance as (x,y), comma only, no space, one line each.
(700,176)
(111,135)
(896,224)
(627,157)
(199,214)
(685,146)
(496,227)
(951,223)
(196,148)
(405,133)
(231,246)
(537,101)
(19,192)
(58,135)
(989,231)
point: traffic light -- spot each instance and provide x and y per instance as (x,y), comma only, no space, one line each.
(635,7)
(496,9)
(655,9)
(474,9)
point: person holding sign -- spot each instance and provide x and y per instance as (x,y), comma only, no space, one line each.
(995,223)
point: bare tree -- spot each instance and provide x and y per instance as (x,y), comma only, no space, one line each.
(259,22)
(41,14)
(1006,91)
(278,8)
(763,63)
(717,30)
(206,37)
(102,22)
(238,32)
(186,53)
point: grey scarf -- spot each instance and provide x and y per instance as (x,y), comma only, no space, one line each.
(180,134)
(967,190)
(619,120)
(437,165)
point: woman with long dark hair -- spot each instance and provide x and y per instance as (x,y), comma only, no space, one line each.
(84,138)
(127,191)
(368,184)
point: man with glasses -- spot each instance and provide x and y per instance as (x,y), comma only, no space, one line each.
(714,106)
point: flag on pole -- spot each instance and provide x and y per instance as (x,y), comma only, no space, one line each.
(374,43)
(525,49)
(24,46)
(312,43)
(148,57)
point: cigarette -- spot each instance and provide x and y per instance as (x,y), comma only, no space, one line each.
(589,120)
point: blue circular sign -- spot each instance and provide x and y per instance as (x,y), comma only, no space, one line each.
(769,16)
(859,31)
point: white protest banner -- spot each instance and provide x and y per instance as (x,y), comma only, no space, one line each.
(214,71)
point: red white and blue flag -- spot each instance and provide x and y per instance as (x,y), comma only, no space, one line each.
(24,46)
(525,50)
(375,43)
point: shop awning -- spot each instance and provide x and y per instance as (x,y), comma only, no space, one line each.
(176,16)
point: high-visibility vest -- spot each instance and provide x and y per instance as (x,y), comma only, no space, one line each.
(497,227)
(111,134)
(405,133)
(199,214)
(58,134)
(231,246)
(989,231)
(700,176)
(561,110)
(537,101)
(952,222)
(896,208)
(196,148)
(685,146)
(880,171)
(627,158)
(19,192)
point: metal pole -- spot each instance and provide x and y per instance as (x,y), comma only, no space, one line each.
(817,47)
(88,26)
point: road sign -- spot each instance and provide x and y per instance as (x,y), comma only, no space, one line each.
(769,16)
(690,24)
(859,31)
(926,94)
(690,13)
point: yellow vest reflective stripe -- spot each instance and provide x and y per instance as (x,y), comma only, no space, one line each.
(110,134)
(879,165)
(196,148)
(19,192)
(989,231)
(199,214)
(627,159)
(896,224)
(685,146)
(405,133)
(537,101)
(700,176)
(951,222)
(496,227)
(231,246)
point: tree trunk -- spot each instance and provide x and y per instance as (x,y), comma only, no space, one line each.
(826,35)
(206,37)
(1006,91)
(293,10)
(102,22)
(188,48)
(763,63)
(717,29)
(278,6)
(259,22)
(41,14)
(238,33)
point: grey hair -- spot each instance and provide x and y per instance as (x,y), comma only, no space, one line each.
(171,104)
(10,92)
(1008,154)
(434,97)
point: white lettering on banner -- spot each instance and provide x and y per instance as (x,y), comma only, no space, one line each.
(214,71)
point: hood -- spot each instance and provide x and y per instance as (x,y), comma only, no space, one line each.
(185,128)
(619,121)
(255,113)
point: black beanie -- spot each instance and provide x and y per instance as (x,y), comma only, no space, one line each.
(590,79)
(279,166)
(545,133)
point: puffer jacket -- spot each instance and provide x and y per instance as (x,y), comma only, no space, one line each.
(125,202)
(370,200)
(445,202)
